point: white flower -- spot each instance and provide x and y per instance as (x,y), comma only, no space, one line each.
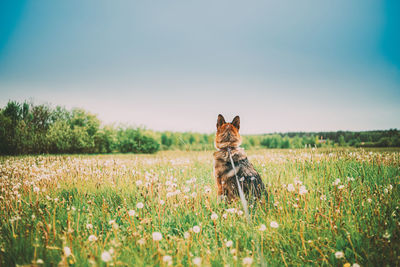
(339,254)
(111,222)
(139,205)
(224,215)
(355,265)
(67,251)
(105,256)
(196,229)
(214,216)
(303,190)
(157,236)
(290,187)
(274,224)
(39,261)
(162,202)
(89,226)
(262,227)
(336,182)
(131,213)
(139,182)
(323,197)
(229,244)
(247,261)
(369,200)
(141,241)
(386,235)
(340,187)
(36,189)
(167,258)
(197,261)
(386,190)
(186,235)
(92,238)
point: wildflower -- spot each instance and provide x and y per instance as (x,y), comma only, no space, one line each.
(139,182)
(157,236)
(339,254)
(111,222)
(303,190)
(167,258)
(262,227)
(214,216)
(240,213)
(247,261)
(197,261)
(290,188)
(224,215)
(386,190)
(186,235)
(139,205)
(233,251)
(274,224)
(196,229)
(336,182)
(92,238)
(141,241)
(162,202)
(67,251)
(355,265)
(346,264)
(89,226)
(207,189)
(386,235)
(36,189)
(39,261)
(369,200)
(106,256)
(229,244)
(131,213)
(340,187)
(323,197)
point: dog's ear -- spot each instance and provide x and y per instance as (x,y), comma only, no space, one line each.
(236,122)
(220,121)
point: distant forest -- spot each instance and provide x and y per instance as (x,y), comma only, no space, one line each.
(26,128)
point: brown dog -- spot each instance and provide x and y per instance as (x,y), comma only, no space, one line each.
(228,139)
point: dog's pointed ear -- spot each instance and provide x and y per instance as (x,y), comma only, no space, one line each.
(236,122)
(220,121)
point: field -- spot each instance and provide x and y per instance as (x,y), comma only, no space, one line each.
(325,207)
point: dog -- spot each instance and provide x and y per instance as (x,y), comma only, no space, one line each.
(228,140)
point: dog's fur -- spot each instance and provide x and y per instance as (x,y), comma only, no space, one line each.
(228,136)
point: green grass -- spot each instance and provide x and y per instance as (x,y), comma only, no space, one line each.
(48,203)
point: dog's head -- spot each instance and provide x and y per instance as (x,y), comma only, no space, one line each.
(227,133)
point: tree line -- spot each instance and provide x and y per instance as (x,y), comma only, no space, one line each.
(26,128)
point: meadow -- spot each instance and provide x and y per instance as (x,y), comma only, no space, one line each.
(330,207)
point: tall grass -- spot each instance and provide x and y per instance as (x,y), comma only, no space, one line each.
(325,207)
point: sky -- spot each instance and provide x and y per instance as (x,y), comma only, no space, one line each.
(175,65)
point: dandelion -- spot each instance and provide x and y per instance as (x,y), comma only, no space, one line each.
(339,254)
(106,256)
(274,224)
(67,251)
(214,216)
(197,261)
(229,244)
(139,205)
(92,238)
(247,261)
(131,213)
(157,236)
(224,215)
(89,226)
(196,229)
(262,227)
(290,188)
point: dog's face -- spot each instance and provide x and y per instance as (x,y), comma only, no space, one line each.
(227,133)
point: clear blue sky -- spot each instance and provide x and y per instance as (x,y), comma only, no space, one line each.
(174,65)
